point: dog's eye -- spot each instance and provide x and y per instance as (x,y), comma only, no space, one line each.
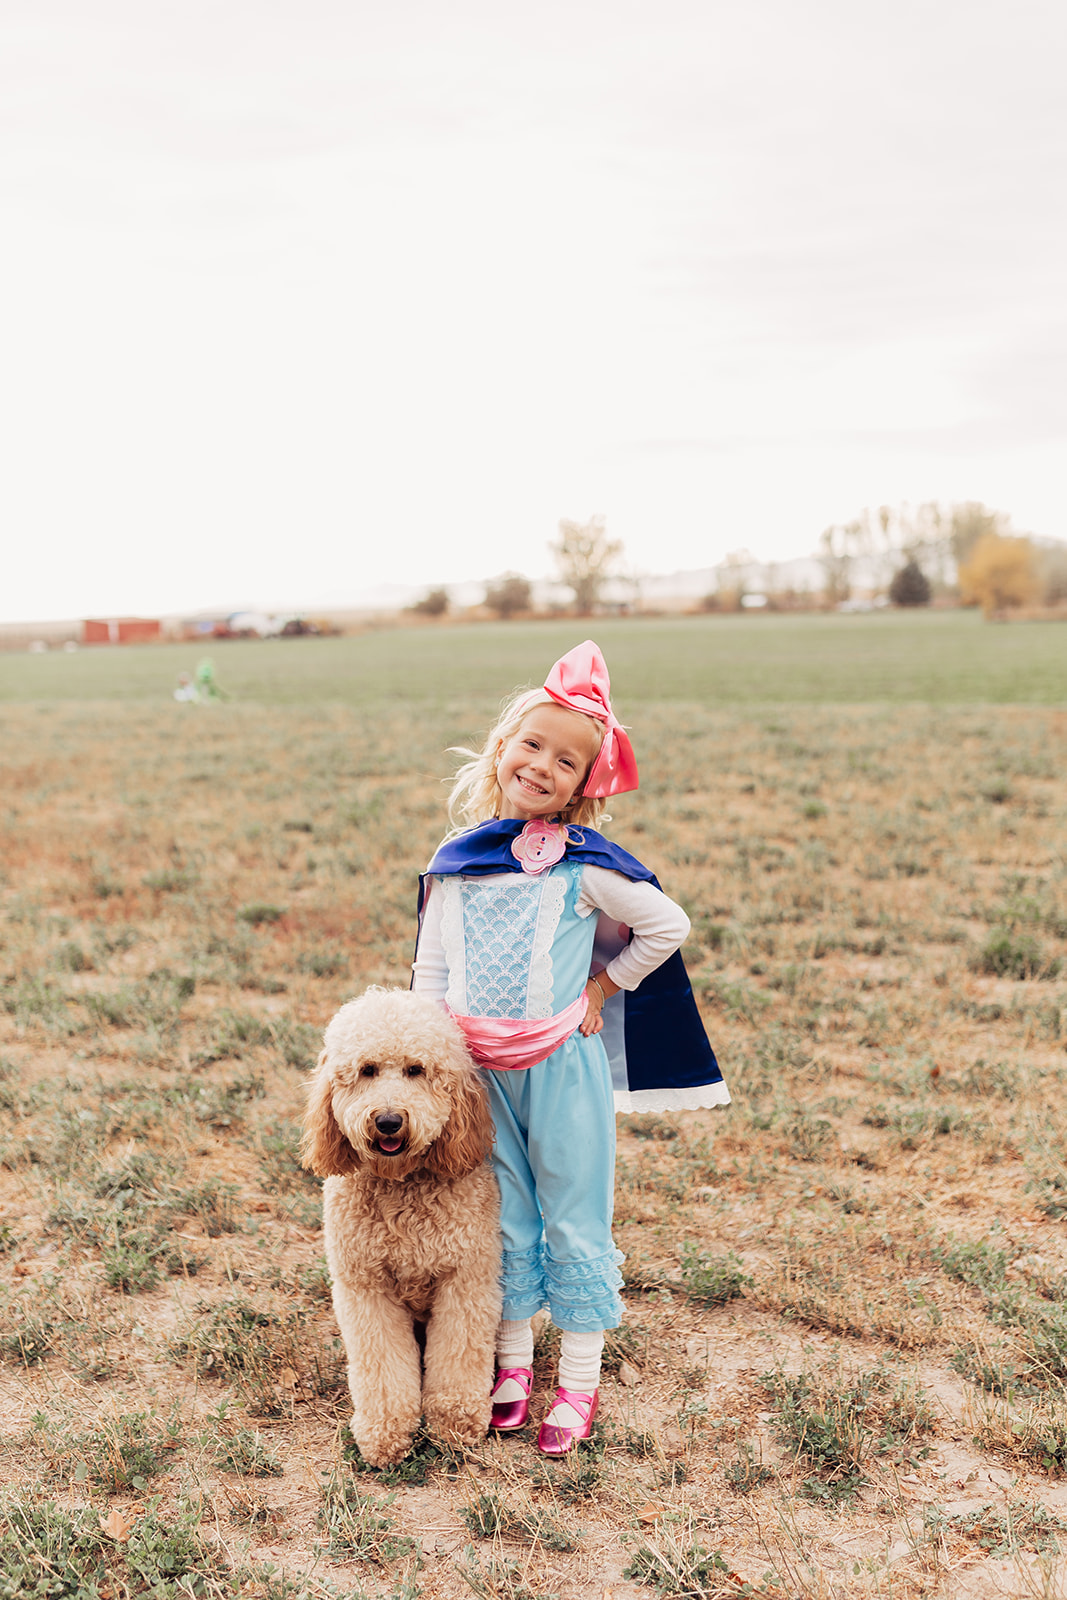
(369,1069)
(414,1069)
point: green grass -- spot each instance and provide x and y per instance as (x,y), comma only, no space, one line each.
(947,656)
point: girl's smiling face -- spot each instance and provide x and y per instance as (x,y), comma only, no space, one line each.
(543,766)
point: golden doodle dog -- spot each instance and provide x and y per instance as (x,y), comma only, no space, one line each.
(398,1124)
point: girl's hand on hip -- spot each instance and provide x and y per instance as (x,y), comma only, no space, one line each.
(597,990)
(592,1022)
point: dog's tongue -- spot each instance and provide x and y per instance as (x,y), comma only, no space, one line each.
(389,1146)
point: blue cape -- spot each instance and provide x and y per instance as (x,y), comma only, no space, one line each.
(659,1052)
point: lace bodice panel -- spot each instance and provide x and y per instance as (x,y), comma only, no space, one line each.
(515,947)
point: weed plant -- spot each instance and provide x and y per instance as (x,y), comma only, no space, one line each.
(677,1565)
(1002,1530)
(357,1526)
(840,1421)
(124,1451)
(711,1280)
(493,1579)
(245,1451)
(746,1471)
(1034,1433)
(491,1517)
(577,1477)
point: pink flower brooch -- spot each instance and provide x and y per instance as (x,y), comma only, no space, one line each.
(539,846)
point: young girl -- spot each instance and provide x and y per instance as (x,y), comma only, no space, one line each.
(547,943)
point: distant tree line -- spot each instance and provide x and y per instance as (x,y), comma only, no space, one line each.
(586,559)
(903,555)
(910,554)
(881,544)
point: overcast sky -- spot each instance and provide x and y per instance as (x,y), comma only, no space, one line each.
(303,296)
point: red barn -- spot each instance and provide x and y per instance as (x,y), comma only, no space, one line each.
(120,630)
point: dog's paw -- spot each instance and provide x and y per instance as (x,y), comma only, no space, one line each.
(457,1419)
(383,1447)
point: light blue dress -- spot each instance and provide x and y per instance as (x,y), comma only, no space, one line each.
(518,949)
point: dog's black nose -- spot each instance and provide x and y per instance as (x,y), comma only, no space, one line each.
(388,1122)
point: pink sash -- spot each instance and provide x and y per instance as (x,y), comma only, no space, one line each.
(507,1045)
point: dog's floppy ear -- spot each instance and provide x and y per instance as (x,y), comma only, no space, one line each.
(324,1148)
(467,1137)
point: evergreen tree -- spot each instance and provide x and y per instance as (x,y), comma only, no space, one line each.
(910,586)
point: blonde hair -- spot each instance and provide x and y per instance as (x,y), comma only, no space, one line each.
(476,794)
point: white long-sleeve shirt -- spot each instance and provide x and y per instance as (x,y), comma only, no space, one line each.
(659,926)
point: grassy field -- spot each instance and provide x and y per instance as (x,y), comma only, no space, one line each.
(949,657)
(843,1370)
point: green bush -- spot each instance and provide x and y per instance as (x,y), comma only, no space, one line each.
(977,1262)
(677,1567)
(712,1280)
(490,1517)
(746,1472)
(70,957)
(27,1339)
(355,1525)
(909,586)
(124,1451)
(838,1421)
(1008,954)
(260,911)
(246,1452)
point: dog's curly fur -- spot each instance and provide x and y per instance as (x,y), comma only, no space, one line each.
(398,1123)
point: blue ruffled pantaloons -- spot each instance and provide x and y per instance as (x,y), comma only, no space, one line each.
(554,1157)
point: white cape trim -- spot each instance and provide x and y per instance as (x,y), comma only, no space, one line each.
(703,1098)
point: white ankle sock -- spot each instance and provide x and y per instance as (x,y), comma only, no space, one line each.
(515,1344)
(579,1361)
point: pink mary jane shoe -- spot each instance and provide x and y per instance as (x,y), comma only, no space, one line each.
(555,1439)
(510,1410)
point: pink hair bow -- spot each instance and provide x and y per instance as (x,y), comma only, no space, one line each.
(579,680)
